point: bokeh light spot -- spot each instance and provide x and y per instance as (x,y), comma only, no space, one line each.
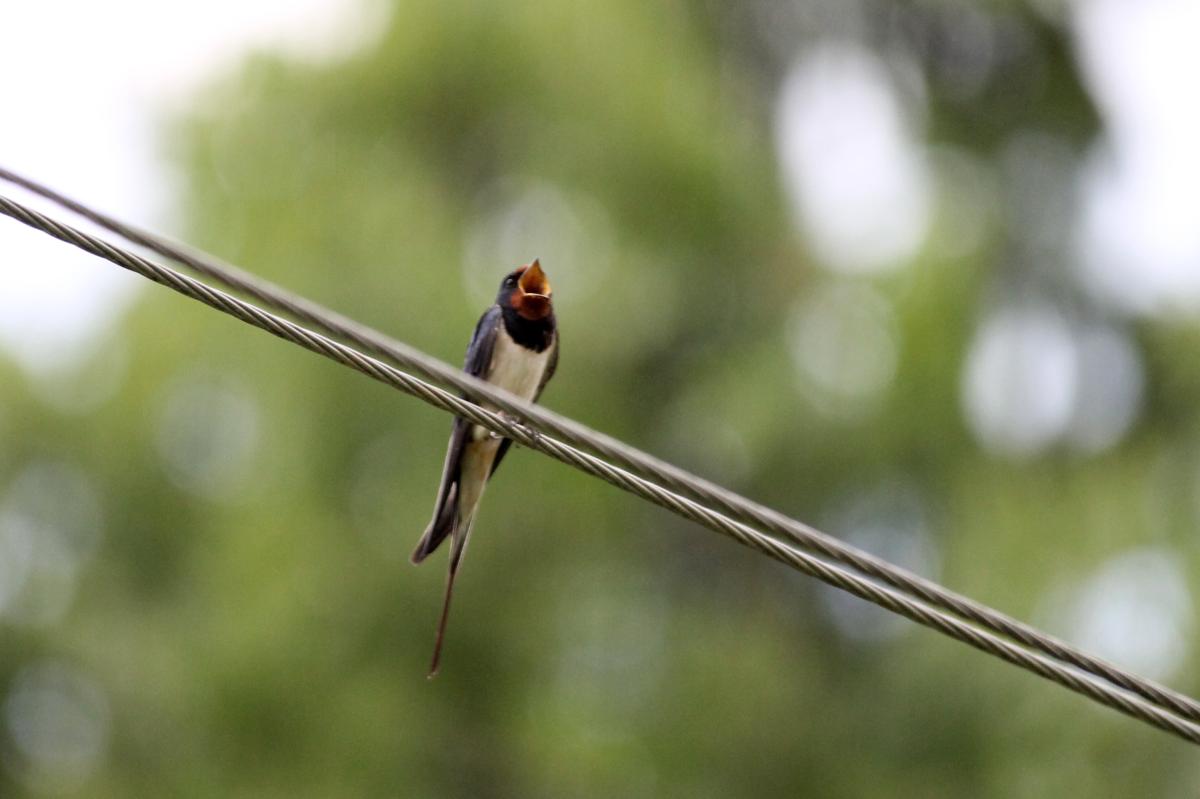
(890,521)
(207,435)
(1019,382)
(1139,227)
(845,345)
(1135,610)
(58,720)
(520,220)
(853,172)
(1109,396)
(50,525)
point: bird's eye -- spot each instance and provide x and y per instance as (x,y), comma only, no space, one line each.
(511,280)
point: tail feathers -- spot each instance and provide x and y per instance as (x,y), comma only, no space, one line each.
(442,525)
(460,544)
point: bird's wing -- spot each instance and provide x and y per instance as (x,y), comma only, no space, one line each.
(479,353)
(550,367)
(479,357)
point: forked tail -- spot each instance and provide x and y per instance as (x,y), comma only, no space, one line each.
(459,545)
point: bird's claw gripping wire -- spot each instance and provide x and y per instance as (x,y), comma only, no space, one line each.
(534,436)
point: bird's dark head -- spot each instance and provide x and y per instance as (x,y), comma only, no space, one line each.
(527,291)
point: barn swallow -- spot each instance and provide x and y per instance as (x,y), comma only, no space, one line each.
(515,347)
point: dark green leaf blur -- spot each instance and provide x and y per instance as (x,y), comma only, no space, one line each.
(204,584)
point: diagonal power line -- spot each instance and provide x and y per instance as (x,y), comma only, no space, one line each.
(628,458)
(631,459)
(1136,697)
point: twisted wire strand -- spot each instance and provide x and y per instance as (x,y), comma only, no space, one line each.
(1068,676)
(633,460)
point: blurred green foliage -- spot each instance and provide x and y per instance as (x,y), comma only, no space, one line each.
(248,614)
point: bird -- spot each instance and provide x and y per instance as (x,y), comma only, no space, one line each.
(514,347)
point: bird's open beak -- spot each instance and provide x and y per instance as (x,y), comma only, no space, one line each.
(534,301)
(534,281)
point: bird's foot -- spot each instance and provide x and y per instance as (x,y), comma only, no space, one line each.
(535,437)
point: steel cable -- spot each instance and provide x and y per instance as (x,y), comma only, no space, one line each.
(629,458)
(1131,700)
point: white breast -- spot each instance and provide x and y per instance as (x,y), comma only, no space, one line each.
(516,368)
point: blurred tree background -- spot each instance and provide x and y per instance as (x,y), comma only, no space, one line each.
(820,252)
